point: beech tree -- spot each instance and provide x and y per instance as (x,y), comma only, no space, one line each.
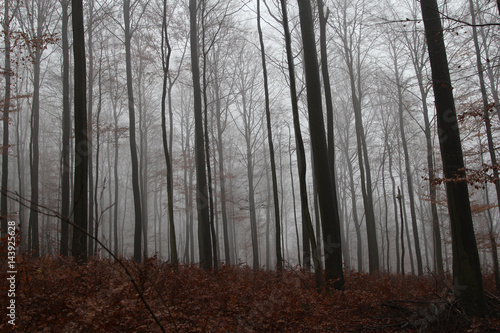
(271,145)
(66,131)
(204,237)
(80,193)
(328,205)
(467,277)
(128,30)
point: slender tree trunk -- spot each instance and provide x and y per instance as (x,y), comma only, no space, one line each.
(6,108)
(466,266)
(293,194)
(204,239)
(170,185)
(322,169)
(133,144)
(90,126)
(394,203)
(34,152)
(409,179)
(279,258)
(80,191)
(66,131)
(399,197)
(97,145)
(222,177)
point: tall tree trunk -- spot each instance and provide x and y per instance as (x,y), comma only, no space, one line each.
(90,107)
(34,150)
(6,107)
(491,146)
(409,179)
(399,197)
(394,203)
(204,238)
(466,266)
(66,131)
(80,191)
(308,237)
(133,144)
(170,185)
(222,176)
(417,52)
(97,145)
(279,259)
(328,205)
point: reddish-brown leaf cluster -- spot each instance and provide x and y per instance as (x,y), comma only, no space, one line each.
(56,295)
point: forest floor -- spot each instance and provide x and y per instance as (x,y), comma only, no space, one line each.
(56,295)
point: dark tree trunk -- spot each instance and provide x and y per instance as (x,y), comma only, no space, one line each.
(222,179)
(204,238)
(399,196)
(66,132)
(34,151)
(328,205)
(409,179)
(6,107)
(133,143)
(170,187)
(466,266)
(417,55)
(90,107)
(489,135)
(80,191)
(279,259)
(308,237)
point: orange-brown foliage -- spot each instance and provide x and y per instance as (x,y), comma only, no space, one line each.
(56,295)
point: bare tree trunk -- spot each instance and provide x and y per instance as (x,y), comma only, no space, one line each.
(279,258)
(5,120)
(322,169)
(34,151)
(80,192)
(170,186)
(409,179)
(399,197)
(90,106)
(466,266)
(394,196)
(222,177)
(204,238)
(133,144)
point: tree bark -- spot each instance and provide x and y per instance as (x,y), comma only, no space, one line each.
(466,266)
(409,179)
(328,206)
(279,259)
(80,191)
(5,120)
(170,187)
(204,238)
(133,143)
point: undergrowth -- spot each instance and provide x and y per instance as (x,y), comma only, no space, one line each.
(57,295)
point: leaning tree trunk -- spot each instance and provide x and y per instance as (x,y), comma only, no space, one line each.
(466,266)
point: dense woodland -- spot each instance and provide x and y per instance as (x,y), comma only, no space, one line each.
(327,142)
